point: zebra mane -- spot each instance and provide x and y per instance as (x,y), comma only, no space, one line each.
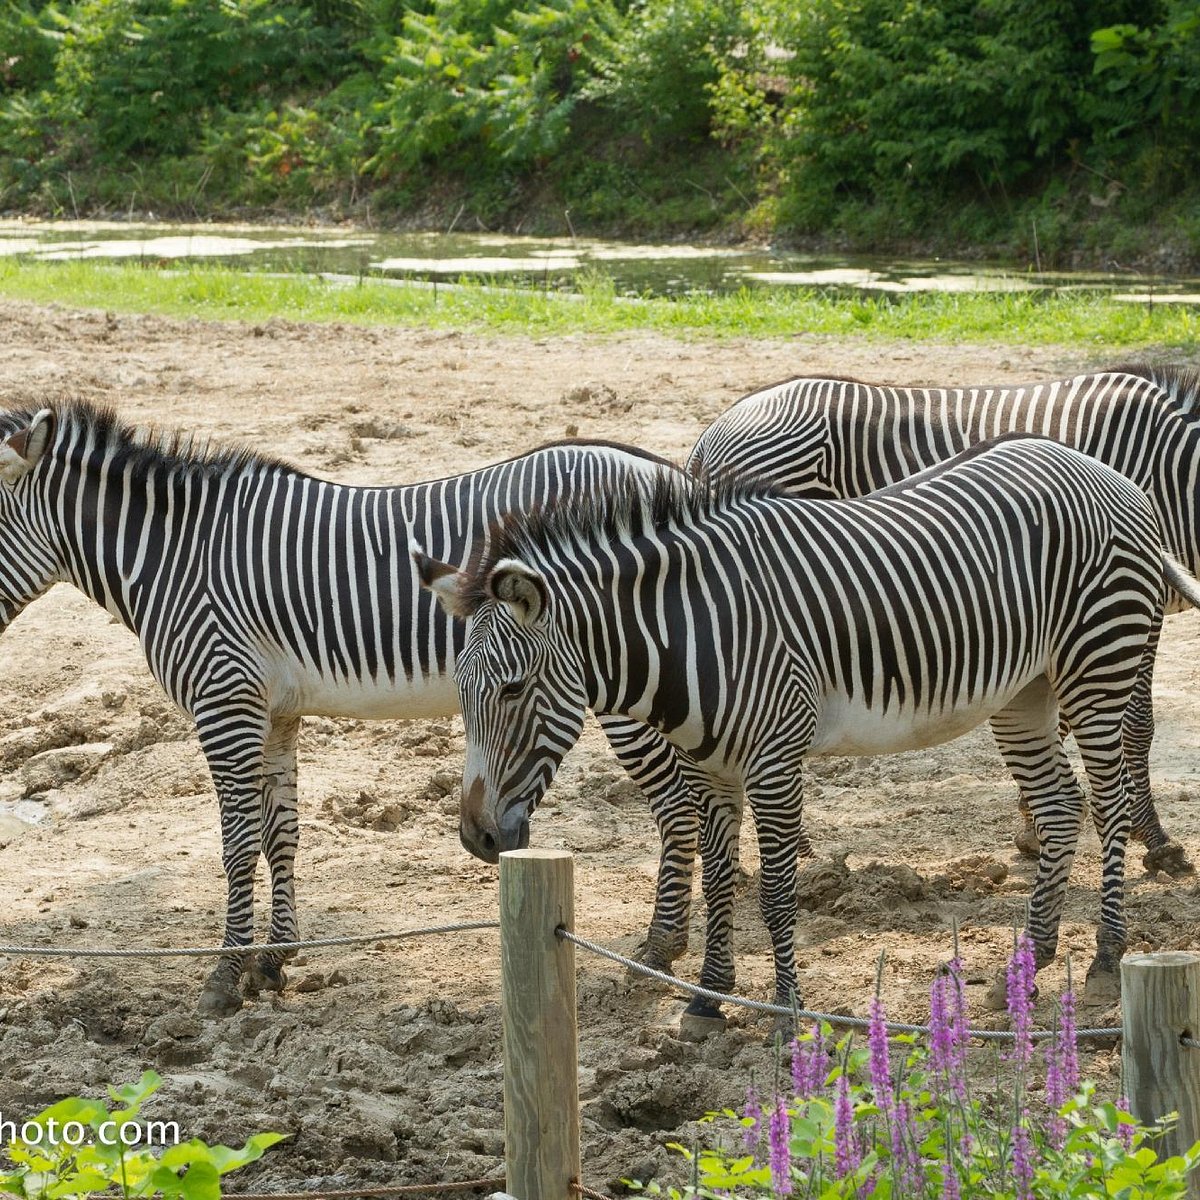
(1181,383)
(631,507)
(144,447)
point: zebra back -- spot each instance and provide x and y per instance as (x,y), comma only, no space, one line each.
(842,438)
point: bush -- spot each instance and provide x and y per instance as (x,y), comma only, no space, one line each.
(467,82)
(141,76)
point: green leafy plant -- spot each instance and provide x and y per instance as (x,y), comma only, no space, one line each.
(80,1147)
(894,1119)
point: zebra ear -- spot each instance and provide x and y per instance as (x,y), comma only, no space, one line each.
(442,580)
(520,587)
(21,450)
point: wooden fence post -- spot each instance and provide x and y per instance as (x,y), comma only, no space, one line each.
(541,1045)
(1160,1003)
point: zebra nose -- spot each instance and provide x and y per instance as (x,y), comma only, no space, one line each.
(514,831)
(482,843)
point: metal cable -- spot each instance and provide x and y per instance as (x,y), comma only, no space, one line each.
(986,1035)
(209,951)
(1190,1042)
(588,1193)
(405,1189)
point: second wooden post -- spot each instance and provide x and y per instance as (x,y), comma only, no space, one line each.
(541,1046)
(1160,1003)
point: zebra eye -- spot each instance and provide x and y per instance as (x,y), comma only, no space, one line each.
(512,689)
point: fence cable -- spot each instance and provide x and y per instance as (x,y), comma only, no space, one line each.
(211,951)
(588,1193)
(803,1014)
(403,1189)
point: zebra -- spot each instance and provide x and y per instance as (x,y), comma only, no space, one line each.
(753,629)
(259,594)
(832,437)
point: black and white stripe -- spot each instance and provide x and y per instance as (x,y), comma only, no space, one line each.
(753,629)
(841,438)
(259,594)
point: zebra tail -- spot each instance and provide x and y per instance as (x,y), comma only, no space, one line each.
(1181,579)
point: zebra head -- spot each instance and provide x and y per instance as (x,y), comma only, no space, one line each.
(522,694)
(28,565)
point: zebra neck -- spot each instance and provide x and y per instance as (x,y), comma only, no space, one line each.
(644,653)
(127,537)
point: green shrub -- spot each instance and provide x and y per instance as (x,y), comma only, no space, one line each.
(60,1163)
(495,81)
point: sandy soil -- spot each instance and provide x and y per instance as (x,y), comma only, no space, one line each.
(384,1064)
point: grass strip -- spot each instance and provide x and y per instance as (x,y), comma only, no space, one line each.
(1084,318)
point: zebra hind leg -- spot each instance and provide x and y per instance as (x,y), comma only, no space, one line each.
(232,739)
(1163,852)
(280,837)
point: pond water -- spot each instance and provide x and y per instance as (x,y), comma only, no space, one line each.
(557,263)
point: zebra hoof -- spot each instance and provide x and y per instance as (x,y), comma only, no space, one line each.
(1103,984)
(218,1002)
(660,950)
(995,999)
(1026,841)
(1170,857)
(265,977)
(700,1020)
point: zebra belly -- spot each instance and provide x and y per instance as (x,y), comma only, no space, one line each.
(368,699)
(848,726)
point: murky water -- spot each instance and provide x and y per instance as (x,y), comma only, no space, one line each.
(556,263)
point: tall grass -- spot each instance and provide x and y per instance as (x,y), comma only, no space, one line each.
(217,293)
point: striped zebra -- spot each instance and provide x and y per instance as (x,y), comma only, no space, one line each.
(840,438)
(753,629)
(258,594)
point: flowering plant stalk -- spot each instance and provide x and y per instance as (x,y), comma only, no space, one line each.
(895,1120)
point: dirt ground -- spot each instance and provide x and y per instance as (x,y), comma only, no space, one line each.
(383,1064)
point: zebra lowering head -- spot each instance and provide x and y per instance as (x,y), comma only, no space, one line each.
(29,561)
(1018,581)
(526,699)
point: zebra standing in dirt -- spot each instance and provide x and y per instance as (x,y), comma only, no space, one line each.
(258,594)
(1020,579)
(841,438)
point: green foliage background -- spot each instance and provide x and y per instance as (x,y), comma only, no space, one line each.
(1061,129)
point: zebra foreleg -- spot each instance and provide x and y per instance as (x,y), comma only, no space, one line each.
(778,809)
(718,851)
(1100,747)
(1028,740)
(232,741)
(281,832)
(652,763)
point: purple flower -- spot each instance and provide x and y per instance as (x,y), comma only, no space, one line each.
(947,1032)
(780,1156)
(1068,1050)
(906,1158)
(881,1069)
(809,1067)
(1056,1094)
(846,1154)
(1022,1162)
(1124,1132)
(752,1134)
(950,1186)
(1019,987)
